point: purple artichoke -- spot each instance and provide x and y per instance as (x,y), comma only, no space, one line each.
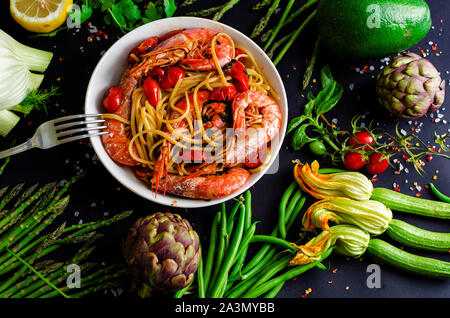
(163,253)
(410,87)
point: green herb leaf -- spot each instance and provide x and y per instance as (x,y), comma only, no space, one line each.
(129,10)
(329,103)
(325,76)
(107,4)
(295,122)
(169,7)
(153,13)
(37,99)
(300,138)
(310,105)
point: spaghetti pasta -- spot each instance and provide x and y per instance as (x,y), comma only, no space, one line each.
(185,133)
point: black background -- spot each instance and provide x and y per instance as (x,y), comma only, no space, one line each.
(98,194)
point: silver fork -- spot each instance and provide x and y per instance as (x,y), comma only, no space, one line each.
(60,131)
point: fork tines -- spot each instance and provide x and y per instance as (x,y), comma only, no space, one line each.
(82,127)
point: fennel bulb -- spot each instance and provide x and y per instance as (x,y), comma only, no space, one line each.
(20,68)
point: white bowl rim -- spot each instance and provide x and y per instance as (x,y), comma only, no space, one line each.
(171,200)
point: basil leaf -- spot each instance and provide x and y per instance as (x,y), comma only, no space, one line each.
(329,103)
(300,138)
(310,105)
(169,7)
(129,10)
(295,122)
(325,76)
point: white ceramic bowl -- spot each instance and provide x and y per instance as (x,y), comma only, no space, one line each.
(110,68)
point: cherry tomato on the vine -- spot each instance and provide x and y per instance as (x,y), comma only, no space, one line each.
(171,77)
(361,138)
(317,147)
(353,161)
(377,164)
(112,99)
(151,91)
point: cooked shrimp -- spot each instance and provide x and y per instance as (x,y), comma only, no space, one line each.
(256,121)
(192,48)
(117,140)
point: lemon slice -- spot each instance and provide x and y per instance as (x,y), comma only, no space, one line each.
(40,16)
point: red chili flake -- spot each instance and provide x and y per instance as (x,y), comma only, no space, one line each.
(418,195)
(397,172)
(295,278)
(432,120)
(30,123)
(405,157)
(60,59)
(429,158)
(366,69)
(439,150)
(374,180)
(434,47)
(427,186)
(416,123)
(432,148)
(397,189)
(412,129)
(442,20)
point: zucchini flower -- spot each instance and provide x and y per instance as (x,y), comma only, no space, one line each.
(353,185)
(348,240)
(369,215)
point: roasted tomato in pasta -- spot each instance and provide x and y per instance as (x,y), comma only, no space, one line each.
(255,159)
(112,99)
(225,93)
(239,75)
(151,91)
(171,77)
(157,73)
(148,45)
(238,52)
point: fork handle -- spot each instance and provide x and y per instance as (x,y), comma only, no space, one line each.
(17,149)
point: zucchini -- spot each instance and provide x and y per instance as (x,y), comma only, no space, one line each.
(402,260)
(404,203)
(415,237)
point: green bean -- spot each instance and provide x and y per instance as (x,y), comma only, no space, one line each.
(219,255)
(260,290)
(330,170)
(295,213)
(273,240)
(229,258)
(211,249)
(223,226)
(200,279)
(249,233)
(231,218)
(274,291)
(292,204)
(264,276)
(282,209)
(439,194)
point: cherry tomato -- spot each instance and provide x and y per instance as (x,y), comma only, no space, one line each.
(170,34)
(148,44)
(239,52)
(239,75)
(241,82)
(255,159)
(361,138)
(171,77)
(225,93)
(375,164)
(151,91)
(353,161)
(317,147)
(157,73)
(112,99)
(236,68)
(192,156)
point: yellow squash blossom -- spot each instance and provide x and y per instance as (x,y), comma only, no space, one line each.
(369,215)
(348,240)
(353,185)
